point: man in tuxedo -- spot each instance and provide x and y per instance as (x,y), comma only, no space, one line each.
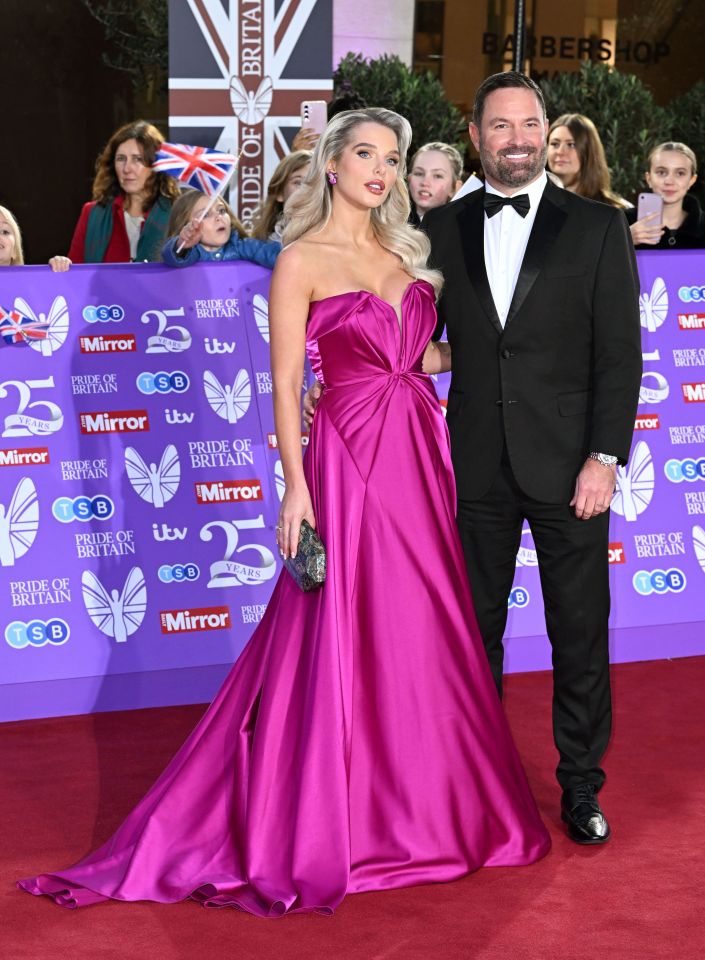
(540,305)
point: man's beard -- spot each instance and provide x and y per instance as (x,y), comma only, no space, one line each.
(513,174)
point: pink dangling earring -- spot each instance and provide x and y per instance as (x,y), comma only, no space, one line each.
(332,178)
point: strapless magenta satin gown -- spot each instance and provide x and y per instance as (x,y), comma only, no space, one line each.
(358,742)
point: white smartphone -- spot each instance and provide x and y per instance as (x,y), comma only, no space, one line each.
(314,115)
(649,203)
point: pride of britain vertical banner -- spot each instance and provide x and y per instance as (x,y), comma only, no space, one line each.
(238,71)
(139,475)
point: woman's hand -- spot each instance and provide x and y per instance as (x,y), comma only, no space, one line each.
(60,264)
(296,506)
(305,139)
(646,230)
(190,235)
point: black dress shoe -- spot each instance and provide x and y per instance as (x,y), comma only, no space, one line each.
(581,811)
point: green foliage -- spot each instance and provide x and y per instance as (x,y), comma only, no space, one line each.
(138,33)
(687,123)
(628,119)
(388,82)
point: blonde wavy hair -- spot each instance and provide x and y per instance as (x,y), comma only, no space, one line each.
(17,254)
(309,209)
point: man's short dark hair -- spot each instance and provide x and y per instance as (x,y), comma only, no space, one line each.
(501,81)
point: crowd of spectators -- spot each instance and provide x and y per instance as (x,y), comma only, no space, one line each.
(136,214)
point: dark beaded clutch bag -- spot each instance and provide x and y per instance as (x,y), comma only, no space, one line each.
(308,567)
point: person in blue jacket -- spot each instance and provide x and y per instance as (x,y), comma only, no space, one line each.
(197,234)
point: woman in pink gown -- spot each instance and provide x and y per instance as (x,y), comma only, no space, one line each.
(358,743)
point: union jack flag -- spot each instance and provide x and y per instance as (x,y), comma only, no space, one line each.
(239,70)
(201,168)
(14,328)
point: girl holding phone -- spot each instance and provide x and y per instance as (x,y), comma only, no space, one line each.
(671,170)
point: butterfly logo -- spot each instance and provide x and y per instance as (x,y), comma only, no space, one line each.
(251,107)
(117,614)
(57,325)
(230,403)
(261,308)
(155,484)
(18,523)
(699,545)
(526,557)
(653,307)
(279,479)
(635,484)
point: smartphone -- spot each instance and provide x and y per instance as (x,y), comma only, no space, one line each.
(649,203)
(314,115)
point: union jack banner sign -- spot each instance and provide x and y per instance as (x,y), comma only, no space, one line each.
(238,71)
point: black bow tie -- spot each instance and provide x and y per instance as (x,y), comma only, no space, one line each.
(494,203)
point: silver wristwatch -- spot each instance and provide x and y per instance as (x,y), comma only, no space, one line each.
(606,459)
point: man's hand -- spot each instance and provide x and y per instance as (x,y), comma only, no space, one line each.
(594,489)
(311,398)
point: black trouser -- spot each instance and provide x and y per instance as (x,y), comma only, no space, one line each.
(574,571)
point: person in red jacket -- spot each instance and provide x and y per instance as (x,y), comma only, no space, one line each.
(127,218)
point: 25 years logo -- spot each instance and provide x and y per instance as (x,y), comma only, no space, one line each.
(22,423)
(170,337)
(236,573)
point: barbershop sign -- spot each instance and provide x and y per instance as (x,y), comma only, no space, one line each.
(238,71)
(600,49)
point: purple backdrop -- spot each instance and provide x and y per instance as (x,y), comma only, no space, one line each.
(140,485)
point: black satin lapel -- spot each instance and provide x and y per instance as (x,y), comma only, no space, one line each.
(471,222)
(549,221)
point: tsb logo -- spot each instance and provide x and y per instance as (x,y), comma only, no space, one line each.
(37,633)
(179,572)
(67,509)
(103,314)
(161,382)
(647,582)
(519,597)
(692,294)
(690,470)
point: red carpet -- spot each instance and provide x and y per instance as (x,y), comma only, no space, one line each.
(67,783)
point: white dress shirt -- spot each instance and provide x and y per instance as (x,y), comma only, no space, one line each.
(506,237)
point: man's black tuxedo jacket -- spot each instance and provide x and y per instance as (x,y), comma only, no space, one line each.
(562,378)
